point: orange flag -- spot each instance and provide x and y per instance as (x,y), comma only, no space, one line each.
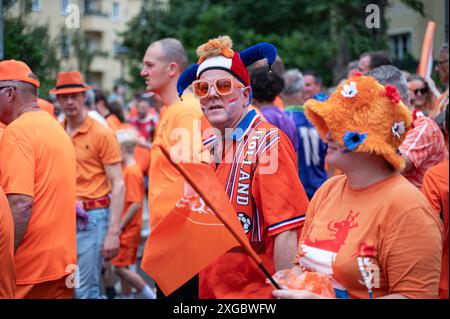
(191,235)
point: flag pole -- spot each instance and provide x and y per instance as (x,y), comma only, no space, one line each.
(215,209)
(426,58)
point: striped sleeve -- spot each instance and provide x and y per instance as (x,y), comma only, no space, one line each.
(282,226)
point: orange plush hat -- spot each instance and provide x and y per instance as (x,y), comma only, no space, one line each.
(363,116)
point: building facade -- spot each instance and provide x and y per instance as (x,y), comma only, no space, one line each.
(87,32)
(407,28)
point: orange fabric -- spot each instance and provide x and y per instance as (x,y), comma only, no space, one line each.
(191,224)
(424,145)
(69,82)
(55,289)
(184,115)
(38,160)
(142,157)
(47,106)
(114,122)
(95,146)
(279,102)
(440,104)
(134,193)
(350,234)
(2,128)
(127,256)
(13,70)
(435,187)
(7,269)
(263,200)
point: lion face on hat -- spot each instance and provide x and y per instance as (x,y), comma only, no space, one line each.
(363,116)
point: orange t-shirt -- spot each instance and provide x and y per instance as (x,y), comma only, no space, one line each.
(7,269)
(134,193)
(384,238)
(435,187)
(179,125)
(47,107)
(95,146)
(38,160)
(269,199)
(142,157)
(113,122)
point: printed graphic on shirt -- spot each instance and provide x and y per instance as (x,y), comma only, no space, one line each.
(320,254)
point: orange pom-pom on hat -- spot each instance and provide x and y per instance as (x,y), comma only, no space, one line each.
(363,116)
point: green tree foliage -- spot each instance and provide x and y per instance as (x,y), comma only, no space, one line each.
(309,34)
(31,44)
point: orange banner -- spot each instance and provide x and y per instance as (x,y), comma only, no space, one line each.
(192,235)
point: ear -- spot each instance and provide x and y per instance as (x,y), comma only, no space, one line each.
(172,69)
(11,95)
(247,95)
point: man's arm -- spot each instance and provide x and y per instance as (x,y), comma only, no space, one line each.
(285,250)
(21,208)
(132,210)
(112,243)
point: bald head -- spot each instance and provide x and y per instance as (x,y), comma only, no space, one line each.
(172,52)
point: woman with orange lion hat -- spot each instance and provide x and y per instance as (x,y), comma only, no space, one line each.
(370,230)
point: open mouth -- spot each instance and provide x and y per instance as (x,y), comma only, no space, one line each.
(215,107)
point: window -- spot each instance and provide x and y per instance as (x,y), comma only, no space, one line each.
(65,46)
(90,6)
(36,5)
(400,45)
(115,15)
(63,6)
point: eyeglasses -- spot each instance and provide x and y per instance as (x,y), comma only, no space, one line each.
(422,91)
(223,86)
(442,62)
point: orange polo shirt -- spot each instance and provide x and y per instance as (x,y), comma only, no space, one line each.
(179,125)
(38,160)
(7,270)
(95,146)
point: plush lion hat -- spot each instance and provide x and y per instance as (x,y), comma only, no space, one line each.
(363,116)
(218,54)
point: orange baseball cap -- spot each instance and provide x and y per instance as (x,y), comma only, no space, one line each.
(13,70)
(69,82)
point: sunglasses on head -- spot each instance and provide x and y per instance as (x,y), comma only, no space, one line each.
(223,86)
(422,91)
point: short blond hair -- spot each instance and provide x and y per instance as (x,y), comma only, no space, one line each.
(127,138)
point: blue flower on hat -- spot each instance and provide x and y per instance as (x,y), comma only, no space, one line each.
(321,97)
(353,139)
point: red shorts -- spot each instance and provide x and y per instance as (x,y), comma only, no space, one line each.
(55,289)
(127,256)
